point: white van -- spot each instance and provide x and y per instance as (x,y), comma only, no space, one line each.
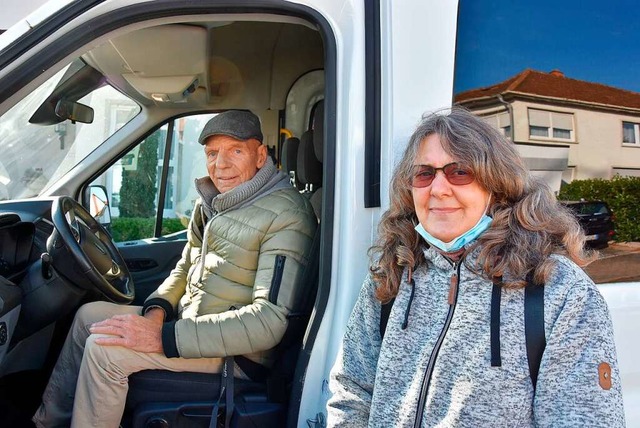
(101,103)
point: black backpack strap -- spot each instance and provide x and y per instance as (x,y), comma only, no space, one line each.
(385,311)
(496,293)
(534,326)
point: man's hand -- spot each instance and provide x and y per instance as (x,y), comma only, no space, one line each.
(140,333)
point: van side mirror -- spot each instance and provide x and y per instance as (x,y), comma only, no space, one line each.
(98,202)
(74,111)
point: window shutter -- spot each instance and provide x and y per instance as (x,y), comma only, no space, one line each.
(491,120)
(539,118)
(563,121)
(503,120)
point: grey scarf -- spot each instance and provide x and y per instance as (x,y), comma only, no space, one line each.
(266,180)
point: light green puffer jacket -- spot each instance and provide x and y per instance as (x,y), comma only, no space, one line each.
(237,303)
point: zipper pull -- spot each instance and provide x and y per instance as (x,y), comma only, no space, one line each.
(453,289)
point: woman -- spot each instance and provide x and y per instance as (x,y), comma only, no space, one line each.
(467,231)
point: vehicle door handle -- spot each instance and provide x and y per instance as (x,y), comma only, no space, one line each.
(139,265)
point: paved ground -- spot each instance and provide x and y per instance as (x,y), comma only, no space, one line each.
(619,262)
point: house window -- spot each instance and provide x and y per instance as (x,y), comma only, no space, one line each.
(562,133)
(538,131)
(501,121)
(630,133)
(549,124)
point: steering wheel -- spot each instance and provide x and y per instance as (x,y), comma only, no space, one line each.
(94,255)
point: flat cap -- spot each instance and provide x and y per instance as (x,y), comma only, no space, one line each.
(239,124)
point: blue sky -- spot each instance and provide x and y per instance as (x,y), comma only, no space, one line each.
(596,41)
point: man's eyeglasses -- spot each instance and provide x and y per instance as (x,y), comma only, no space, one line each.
(455,173)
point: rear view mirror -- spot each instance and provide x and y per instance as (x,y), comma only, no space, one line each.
(74,111)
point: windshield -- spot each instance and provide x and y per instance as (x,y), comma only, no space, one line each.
(35,155)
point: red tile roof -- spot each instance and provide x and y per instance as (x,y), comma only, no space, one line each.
(555,85)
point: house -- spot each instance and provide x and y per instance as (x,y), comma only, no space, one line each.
(565,128)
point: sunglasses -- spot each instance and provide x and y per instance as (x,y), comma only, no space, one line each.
(455,173)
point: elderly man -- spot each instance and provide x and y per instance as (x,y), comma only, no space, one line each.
(228,295)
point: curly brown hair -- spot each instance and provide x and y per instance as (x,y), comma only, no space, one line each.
(528,222)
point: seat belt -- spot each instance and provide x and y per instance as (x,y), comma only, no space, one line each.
(276,385)
(280,374)
(226,391)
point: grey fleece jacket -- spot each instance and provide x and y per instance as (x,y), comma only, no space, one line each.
(378,383)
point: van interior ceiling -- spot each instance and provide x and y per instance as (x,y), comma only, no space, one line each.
(221,65)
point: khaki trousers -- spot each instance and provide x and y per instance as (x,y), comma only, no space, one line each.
(89,383)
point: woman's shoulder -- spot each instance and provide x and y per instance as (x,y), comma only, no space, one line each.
(567,272)
(569,283)
(368,292)
(369,286)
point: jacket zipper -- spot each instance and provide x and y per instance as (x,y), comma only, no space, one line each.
(426,380)
(278,269)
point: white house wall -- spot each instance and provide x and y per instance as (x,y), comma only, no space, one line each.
(543,160)
(597,147)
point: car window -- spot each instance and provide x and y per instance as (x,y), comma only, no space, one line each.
(592,208)
(587,208)
(38,148)
(135,181)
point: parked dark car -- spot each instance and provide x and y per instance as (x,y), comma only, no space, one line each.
(596,219)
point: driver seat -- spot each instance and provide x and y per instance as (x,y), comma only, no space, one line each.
(165,399)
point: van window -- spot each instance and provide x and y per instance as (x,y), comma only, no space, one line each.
(556,78)
(31,158)
(133,183)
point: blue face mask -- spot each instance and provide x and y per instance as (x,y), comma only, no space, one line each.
(462,240)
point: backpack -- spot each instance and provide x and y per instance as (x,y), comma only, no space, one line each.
(533,325)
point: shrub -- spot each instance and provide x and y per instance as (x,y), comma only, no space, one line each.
(622,194)
(138,191)
(133,228)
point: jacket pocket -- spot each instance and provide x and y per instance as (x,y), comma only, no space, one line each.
(276,279)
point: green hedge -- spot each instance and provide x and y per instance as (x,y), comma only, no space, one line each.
(622,194)
(132,228)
